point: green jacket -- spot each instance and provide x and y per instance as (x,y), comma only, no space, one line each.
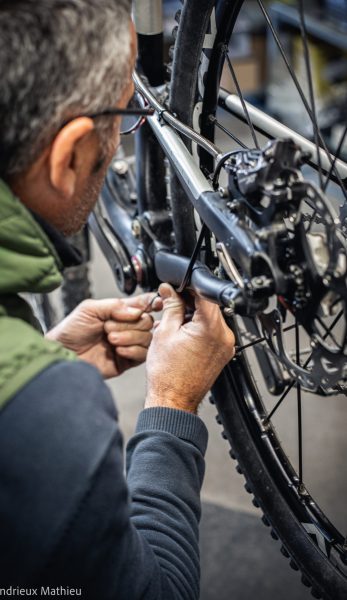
(28,263)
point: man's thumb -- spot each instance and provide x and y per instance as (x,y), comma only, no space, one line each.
(173,307)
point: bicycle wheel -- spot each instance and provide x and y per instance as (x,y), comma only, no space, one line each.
(312,542)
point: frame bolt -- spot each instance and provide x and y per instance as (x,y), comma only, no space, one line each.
(136,228)
(313,342)
(223,192)
(233,205)
(120,167)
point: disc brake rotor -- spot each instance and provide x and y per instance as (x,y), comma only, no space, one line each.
(311,256)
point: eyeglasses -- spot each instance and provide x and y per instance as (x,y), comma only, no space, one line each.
(133,116)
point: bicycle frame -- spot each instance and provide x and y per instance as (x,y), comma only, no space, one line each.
(208,203)
(119,248)
(242,244)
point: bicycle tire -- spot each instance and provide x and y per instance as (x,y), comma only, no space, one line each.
(235,390)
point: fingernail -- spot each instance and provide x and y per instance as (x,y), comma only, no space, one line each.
(133,311)
(165,291)
(157,302)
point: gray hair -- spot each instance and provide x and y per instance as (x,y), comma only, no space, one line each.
(58,59)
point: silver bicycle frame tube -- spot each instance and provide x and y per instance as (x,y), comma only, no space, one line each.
(148,16)
(170,119)
(275,129)
(189,174)
(163,125)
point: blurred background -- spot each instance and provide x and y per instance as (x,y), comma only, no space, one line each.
(260,69)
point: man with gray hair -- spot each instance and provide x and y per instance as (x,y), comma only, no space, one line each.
(70,523)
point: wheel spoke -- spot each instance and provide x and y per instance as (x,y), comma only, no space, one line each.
(298,400)
(284,56)
(313,216)
(336,157)
(260,340)
(329,333)
(291,385)
(244,107)
(278,404)
(225,130)
(310,86)
(298,396)
(301,93)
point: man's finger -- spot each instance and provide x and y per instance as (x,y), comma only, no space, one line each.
(144,323)
(130,338)
(149,302)
(173,308)
(206,311)
(136,354)
(109,308)
(112,308)
(209,313)
(126,313)
(157,304)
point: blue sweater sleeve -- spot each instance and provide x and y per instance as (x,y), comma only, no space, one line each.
(68,516)
(165,472)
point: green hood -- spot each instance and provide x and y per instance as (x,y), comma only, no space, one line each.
(28,263)
(28,260)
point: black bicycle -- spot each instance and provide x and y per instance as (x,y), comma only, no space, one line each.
(258,227)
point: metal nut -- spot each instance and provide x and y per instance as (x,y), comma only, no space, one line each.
(120,167)
(136,228)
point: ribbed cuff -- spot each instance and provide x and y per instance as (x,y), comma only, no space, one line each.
(182,424)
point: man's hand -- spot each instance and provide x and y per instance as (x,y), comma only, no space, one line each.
(113,335)
(185,359)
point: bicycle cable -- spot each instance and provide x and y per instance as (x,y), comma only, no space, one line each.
(188,274)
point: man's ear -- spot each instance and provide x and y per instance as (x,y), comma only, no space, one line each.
(62,159)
